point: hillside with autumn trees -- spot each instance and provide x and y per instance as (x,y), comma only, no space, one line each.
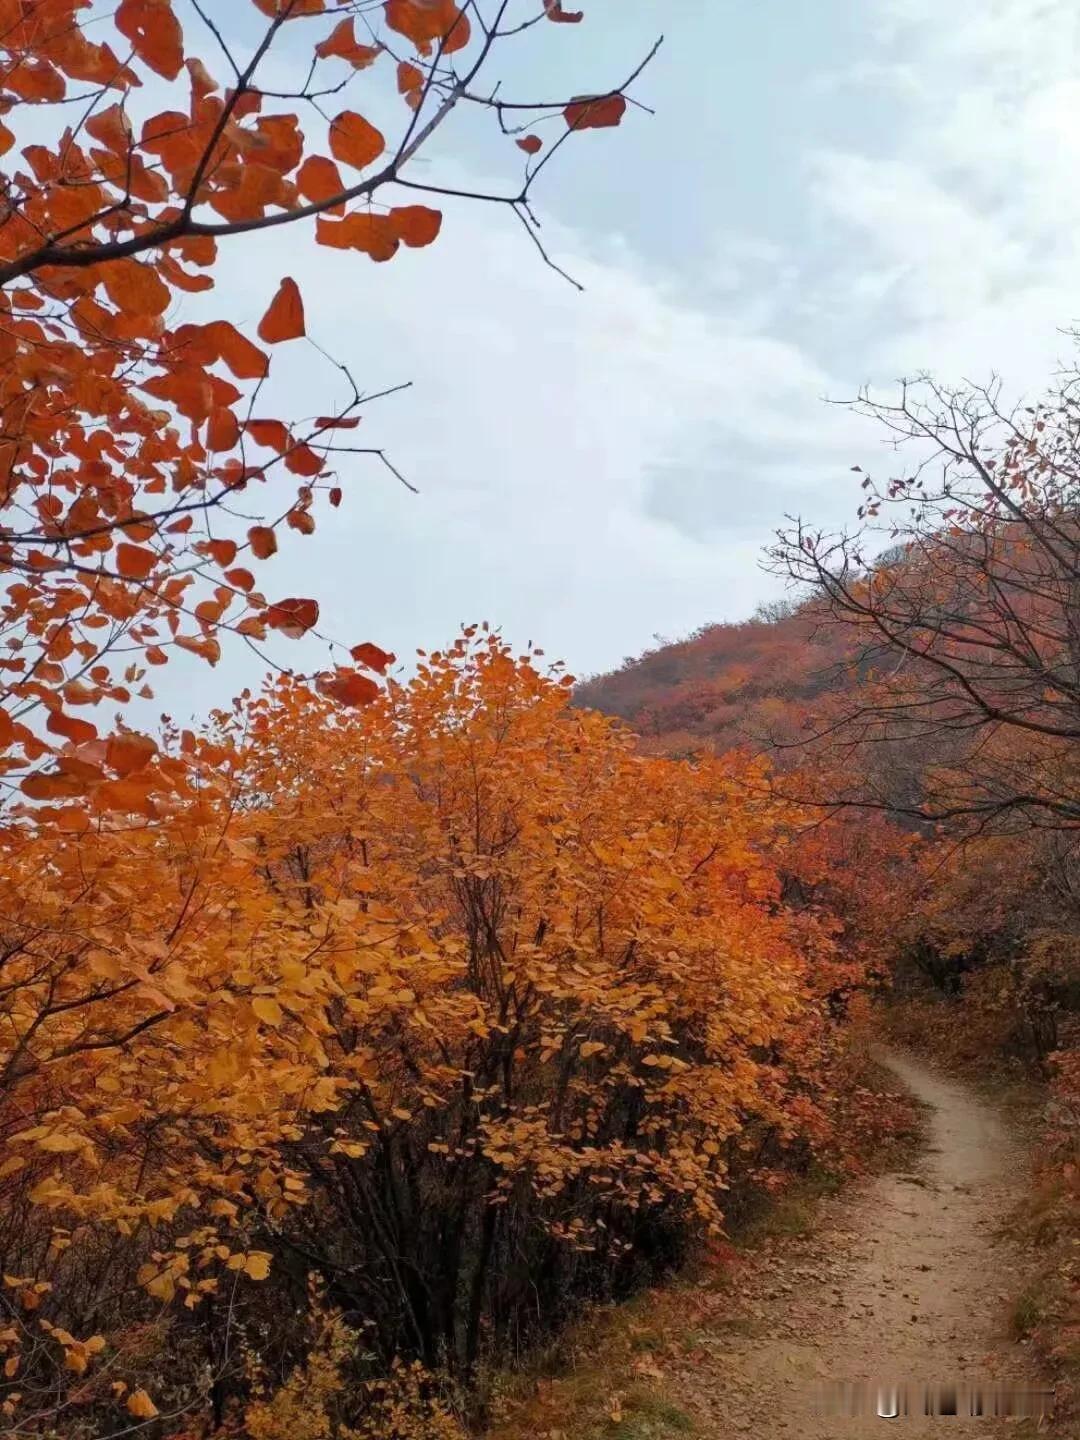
(919,695)
(356,1037)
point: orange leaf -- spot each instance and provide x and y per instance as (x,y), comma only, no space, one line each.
(595,112)
(154,32)
(371,656)
(263,541)
(112,128)
(134,288)
(222,430)
(284,320)
(245,360)
(127,752)
(134,562)
(530,144)
(241,578)
(221,551)
(363,230)
(319,179)
(342,42)
(204,645)
(140,1405)
(410,83)
(354,141)
(416,225)
(54,786)
(302,460)
(73,729)
(295,8)
(293,617)
(424,21)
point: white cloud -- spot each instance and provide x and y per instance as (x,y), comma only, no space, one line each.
(538,421)
(966,223)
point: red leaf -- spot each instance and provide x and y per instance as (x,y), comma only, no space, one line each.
(245,360)
(263,541)
(349,687)
(128,752)
(293,618)
(221,551)
(271,433)
(410,83)
(222,430)
(371,656)
(73,729)
(302,460)
(595,112)
(301,520)
(284,320)
(134,562)
(530,144)
(560,16)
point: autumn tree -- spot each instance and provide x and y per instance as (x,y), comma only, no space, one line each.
(967,621)
(453,1002)
(143,481)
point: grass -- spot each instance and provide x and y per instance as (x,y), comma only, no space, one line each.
(649,1417)
(1028,1311)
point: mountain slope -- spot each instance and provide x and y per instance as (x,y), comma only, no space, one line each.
(726,685)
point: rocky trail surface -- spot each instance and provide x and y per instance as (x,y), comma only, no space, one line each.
(905,1279)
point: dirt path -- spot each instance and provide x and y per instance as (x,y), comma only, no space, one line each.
(903,1279)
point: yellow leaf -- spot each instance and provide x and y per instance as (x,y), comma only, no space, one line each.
(62,1143)
(267,1009)
(140,1404)
(257,1265)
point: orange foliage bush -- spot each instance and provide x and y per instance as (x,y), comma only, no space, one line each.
(456,1001)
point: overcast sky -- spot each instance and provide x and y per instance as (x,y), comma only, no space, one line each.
(829,193)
